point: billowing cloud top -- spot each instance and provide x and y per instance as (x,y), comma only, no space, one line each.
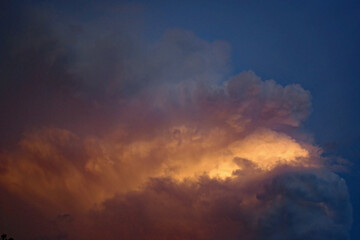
(118,138)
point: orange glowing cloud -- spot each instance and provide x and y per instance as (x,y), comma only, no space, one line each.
(82,172)
(162,147)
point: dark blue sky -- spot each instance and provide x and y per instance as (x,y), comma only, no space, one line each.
(312,43)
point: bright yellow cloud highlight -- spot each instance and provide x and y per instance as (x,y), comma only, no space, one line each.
(214,155)
(67,171)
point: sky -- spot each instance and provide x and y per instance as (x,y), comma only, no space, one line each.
(180,120)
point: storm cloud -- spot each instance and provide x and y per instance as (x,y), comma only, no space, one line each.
(109,135)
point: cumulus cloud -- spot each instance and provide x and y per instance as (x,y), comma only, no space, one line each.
(123,138)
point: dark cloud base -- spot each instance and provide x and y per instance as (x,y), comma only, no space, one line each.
(290,204)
